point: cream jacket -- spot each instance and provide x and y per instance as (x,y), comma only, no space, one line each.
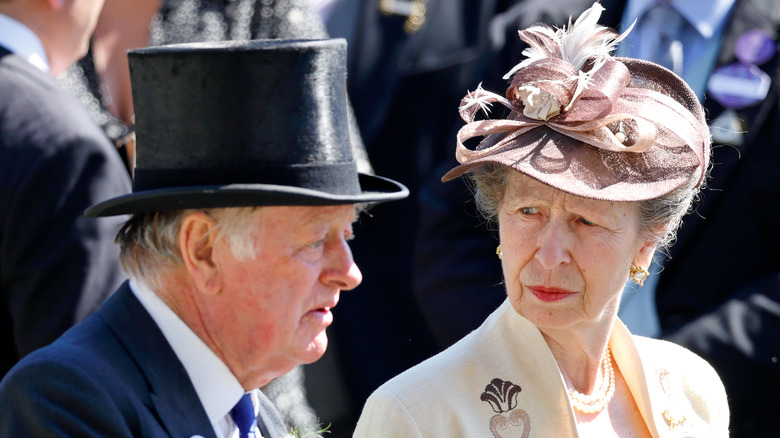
(502,381)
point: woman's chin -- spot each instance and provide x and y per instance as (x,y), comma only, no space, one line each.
(546,317)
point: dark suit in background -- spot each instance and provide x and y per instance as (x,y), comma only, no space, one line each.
(113,378)
(56,266)
(379,331)
(718,295)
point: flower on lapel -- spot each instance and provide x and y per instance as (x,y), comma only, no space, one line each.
(315,431)
(501,395)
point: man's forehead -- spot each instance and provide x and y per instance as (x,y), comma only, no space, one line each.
(314,214)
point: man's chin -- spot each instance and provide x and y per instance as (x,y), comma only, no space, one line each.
(316,348)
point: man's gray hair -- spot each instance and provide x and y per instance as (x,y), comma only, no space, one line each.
(149,241)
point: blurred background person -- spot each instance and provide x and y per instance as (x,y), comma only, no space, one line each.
(102,78)
(56,266)
(384,332)
(717,290)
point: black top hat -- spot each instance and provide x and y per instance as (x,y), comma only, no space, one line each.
(253,123)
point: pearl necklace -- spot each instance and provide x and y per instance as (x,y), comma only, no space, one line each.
(590,404)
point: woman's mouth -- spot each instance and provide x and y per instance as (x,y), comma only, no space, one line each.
(550,294)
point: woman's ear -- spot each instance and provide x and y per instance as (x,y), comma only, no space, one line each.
(644,256)
(197,237)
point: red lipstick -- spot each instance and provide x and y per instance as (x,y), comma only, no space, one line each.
(550,294)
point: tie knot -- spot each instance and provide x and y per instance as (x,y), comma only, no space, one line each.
(243,414)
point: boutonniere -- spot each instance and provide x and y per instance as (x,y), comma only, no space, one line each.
(315,431)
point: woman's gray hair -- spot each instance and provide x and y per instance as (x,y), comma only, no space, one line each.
(659,218)
(148,242)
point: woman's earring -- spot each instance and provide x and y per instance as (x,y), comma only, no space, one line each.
(638,274)
(499,253)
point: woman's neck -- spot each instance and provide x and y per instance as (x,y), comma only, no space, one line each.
(580,355)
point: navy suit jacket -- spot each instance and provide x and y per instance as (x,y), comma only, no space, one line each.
(718,294)
(113,375)
(56,266)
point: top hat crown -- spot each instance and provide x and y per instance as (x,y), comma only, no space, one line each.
(230,124)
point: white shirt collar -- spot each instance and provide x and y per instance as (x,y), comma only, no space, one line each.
(217,387)
(23,42)
(704,16)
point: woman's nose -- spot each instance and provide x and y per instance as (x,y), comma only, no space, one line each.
(553,246)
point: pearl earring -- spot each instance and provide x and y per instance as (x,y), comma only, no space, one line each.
(638,274)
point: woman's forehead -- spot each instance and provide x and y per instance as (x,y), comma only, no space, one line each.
(522,188)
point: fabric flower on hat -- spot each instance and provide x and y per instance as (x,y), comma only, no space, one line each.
(537,103)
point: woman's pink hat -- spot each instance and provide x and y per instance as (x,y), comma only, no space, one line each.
(581,121)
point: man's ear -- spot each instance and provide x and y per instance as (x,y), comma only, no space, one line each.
(197,237)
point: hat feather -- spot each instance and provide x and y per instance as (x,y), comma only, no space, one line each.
(579,43)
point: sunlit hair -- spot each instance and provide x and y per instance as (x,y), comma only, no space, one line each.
(659,218)
(148,242)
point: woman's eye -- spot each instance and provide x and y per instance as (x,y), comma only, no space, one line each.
(529,210)
(587,222)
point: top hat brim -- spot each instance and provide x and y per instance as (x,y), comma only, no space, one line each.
(373,189)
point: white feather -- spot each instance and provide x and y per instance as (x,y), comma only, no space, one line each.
(476,98)
(579,43)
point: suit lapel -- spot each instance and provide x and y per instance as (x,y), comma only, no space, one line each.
(269,421)
(172,395)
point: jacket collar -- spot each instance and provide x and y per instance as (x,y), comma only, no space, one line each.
(171,391)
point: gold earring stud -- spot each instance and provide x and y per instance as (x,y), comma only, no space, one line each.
(638,275)
(499,253)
